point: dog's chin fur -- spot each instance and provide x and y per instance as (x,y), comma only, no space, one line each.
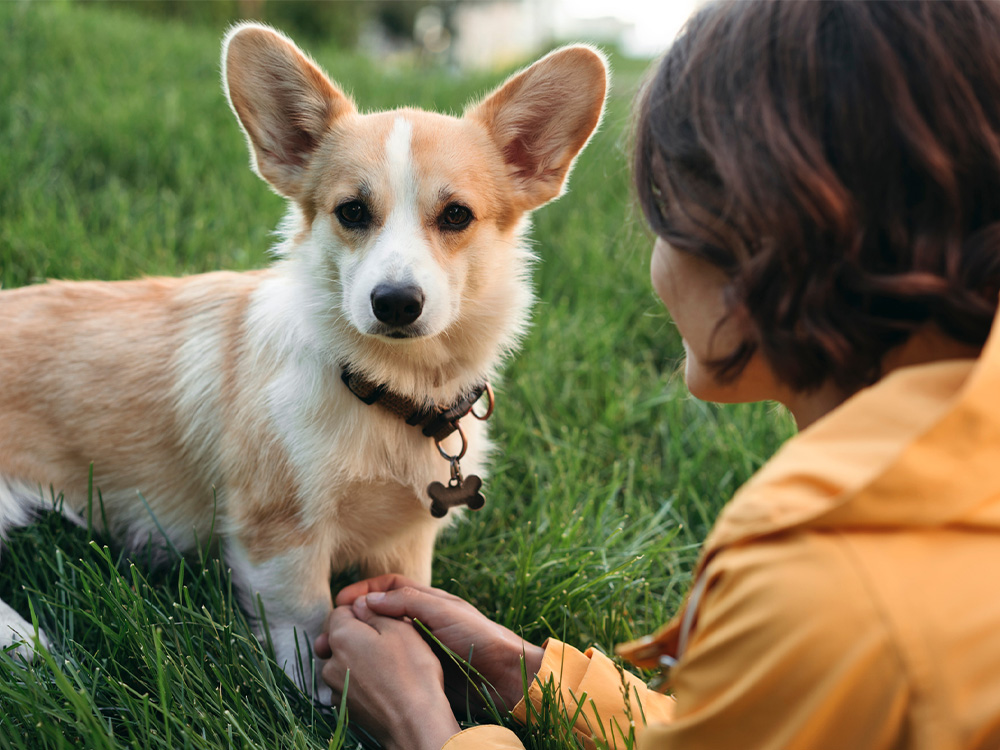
(218,397)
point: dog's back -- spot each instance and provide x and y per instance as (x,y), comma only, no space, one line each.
(93,373)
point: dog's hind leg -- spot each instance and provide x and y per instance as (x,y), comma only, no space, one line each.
(17,632)
(18,506)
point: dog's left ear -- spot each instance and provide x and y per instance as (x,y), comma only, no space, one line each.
(542,117)
(283,100)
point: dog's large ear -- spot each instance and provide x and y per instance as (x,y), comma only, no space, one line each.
(283,101)
(542,117)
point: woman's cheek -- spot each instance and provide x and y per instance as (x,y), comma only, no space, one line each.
(698,378)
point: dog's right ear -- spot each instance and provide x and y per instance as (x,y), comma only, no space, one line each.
(541,118)
(283,101)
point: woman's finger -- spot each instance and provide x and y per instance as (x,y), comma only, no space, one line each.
(348,594)
(321,646)
(433,611)
(392,627)
(383,583)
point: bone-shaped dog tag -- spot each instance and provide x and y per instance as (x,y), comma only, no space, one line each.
(459,491)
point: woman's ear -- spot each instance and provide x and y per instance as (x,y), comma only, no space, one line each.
(283,101)
(541,118)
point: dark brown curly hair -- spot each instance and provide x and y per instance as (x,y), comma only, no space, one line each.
(841,162)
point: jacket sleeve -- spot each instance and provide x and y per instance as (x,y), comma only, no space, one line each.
(591,687)
(790,651)
(484,738)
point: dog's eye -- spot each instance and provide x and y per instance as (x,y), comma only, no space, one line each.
(353,214)
(455,216)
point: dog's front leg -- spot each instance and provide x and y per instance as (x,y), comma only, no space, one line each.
(290,593)
(410,555)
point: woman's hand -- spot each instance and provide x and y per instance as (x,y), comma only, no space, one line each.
(492,650)
(396,686)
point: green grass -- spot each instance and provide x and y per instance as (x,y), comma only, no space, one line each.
(119,157)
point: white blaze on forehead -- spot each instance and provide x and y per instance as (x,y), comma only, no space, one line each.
(402,182)
(400,251)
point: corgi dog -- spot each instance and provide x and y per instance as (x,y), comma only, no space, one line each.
(237,404)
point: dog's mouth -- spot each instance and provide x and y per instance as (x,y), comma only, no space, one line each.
(398,332)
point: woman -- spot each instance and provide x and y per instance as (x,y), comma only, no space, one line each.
(824,182)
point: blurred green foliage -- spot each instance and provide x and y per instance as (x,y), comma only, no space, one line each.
(335,23)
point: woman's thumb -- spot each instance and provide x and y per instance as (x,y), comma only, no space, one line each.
(406,602)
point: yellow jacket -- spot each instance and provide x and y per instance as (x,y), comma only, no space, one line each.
(848,597)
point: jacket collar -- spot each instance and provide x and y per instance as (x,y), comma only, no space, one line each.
(861,463)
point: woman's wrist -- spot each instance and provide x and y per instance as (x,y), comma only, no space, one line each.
(532,659)
(526,662)
(426,725)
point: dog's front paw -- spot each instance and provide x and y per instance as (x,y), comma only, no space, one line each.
(322,693)
(293,653)
(17,632)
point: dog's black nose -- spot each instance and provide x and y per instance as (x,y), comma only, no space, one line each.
(397,305)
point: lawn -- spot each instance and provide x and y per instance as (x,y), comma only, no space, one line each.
(118,158)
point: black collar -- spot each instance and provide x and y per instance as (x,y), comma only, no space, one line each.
(435,422)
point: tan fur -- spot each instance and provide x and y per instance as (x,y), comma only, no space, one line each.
(218,397)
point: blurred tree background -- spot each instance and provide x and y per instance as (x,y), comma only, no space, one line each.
(340,23)
(457,35)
